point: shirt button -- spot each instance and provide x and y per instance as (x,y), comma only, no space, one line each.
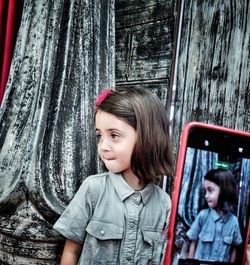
(132,224)
(137,198)
(102,232)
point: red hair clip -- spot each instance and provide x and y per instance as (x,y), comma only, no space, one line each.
(102,96)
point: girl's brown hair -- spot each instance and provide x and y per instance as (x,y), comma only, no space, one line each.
(152,155)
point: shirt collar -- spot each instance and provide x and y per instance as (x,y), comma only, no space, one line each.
(147,192)
(124,190)
(216,216)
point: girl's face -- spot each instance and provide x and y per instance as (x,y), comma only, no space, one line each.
(212,193)
(116,142)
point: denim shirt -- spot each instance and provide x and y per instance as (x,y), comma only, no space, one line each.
(116,224)
(215,235)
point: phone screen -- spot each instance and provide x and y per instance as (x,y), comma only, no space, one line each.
(205,148)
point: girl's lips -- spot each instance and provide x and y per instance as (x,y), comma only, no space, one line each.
(108,159)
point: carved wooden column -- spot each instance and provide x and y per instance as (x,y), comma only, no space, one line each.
(64,55)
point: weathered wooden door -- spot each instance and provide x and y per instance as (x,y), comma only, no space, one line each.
(213,65)
(145,44)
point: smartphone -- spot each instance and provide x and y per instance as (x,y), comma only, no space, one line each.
(205,147)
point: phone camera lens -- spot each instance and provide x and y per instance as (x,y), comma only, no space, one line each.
(206,143)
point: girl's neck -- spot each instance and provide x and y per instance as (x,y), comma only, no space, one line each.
(133,181)
(220,212)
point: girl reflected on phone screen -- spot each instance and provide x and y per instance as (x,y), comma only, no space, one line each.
(215,233)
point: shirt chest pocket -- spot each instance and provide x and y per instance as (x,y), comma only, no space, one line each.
(153,245)
(103,242)
(206,236)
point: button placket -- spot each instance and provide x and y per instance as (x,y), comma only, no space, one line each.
(133,210)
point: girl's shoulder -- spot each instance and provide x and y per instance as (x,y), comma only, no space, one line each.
(232,217)
(93,186)
(96,181)
(93,183)
(204,213)
(162,195)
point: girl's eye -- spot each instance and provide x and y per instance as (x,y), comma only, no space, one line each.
(98,137)
(114,135)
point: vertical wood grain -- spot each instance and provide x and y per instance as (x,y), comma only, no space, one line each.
(213,70)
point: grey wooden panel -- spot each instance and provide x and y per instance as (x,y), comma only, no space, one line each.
(213,70)
(130,13)
(144,52)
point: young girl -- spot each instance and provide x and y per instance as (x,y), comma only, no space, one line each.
(120,217)
(215,232)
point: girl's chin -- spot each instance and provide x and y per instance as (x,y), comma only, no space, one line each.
(113,169)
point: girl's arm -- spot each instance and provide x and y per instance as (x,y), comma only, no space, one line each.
(71,253)
(192,249)
(233,254)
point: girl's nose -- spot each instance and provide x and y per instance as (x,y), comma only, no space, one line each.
(104,145)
